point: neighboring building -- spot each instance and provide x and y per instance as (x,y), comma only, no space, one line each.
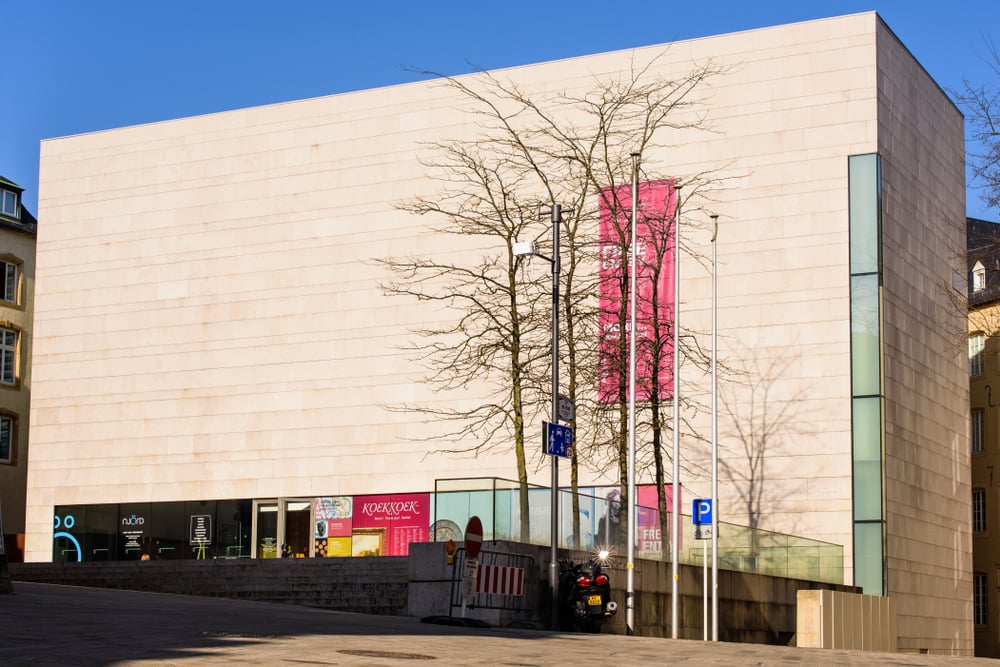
(213,342)
(984,429)
(17,278)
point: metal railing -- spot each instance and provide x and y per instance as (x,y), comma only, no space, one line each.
(497,502)
(517,593)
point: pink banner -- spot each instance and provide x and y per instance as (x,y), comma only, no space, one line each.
(386,525)
(649,539)
(655,269)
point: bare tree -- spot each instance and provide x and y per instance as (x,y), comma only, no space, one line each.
(761,424)
(532,149)
(489,339)
(981,103)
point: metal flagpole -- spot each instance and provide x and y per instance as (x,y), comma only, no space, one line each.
(630,535)
(554,532)
(715,433)
(675,486)
(704,589)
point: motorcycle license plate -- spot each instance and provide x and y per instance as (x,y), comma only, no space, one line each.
(594,600)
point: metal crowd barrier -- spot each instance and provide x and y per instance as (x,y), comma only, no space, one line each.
(505,582)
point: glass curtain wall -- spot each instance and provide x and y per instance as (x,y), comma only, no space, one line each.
(867,385)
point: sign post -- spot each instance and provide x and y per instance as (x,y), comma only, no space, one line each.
(567,409)
(558,439)
(701,517)
(473,545)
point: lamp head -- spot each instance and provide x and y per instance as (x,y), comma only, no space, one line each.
(523,248)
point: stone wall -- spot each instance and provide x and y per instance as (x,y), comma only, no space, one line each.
(753,608)
(365,585)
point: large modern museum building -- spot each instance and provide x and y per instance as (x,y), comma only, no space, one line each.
(218,368)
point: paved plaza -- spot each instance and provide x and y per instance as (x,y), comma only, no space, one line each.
(45,624)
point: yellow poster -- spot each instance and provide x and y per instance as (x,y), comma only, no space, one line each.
(338,546)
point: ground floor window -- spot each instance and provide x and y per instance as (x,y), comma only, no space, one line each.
(344,525)
(152,531)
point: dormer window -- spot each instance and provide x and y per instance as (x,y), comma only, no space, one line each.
(8,203)
(978,277)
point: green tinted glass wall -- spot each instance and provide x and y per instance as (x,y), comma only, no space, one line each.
(867,393)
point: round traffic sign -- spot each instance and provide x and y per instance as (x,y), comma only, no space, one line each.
(473,537)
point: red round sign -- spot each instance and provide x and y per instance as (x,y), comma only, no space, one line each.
(473,537)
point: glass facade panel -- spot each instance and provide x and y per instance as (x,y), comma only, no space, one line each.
(867,490)
(868,558)
(134,530)
(867,428)
(267,530)
(867,432)
(152,531)
(233,523)
(67,534)
(168,532)
(865,178)
(867,454)
(866,348)
(100,536)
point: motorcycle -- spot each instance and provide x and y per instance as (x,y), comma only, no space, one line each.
(585,594)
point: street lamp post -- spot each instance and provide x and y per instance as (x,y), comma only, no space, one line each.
(633,265)
(715,430)
(529,248)
(675,522)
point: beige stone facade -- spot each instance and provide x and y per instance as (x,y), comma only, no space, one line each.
(210,323)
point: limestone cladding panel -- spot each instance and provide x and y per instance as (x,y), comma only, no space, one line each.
(210,323)
(926,380)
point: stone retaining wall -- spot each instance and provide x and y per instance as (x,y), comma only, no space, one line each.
(753,608)
(365,585)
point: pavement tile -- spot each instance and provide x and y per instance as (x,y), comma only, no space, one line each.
(45,624)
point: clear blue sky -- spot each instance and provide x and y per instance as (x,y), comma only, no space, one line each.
(72,66)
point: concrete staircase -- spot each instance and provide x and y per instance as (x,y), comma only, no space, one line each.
(365,585)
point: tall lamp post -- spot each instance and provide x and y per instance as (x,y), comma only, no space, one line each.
(715,430)
(528,248)
(630,564)
(675,521)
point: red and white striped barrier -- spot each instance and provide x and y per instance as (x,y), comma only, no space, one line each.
(500,580)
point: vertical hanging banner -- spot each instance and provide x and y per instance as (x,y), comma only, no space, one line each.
(655,256)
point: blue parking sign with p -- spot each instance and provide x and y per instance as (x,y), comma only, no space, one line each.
(701,511)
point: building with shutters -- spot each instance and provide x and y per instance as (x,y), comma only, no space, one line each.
(17,275)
